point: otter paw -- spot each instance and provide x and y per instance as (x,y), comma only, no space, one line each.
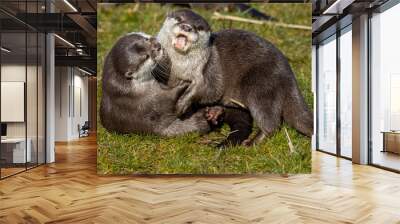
(214,114)
(248,142)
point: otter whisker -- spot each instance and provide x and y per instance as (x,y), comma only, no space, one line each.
(159,73)
(163,68)
(159,76)
(163,65)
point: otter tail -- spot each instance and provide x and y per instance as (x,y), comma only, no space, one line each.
(296,112)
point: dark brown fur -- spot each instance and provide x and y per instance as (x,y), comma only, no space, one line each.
(246,68)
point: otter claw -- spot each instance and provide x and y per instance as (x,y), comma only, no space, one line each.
(214,114)
(248,143)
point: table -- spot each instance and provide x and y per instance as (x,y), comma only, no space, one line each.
(391,141)
(13,150)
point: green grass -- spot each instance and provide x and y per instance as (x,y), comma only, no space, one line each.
(150,154)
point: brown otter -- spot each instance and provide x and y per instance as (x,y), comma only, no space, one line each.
(233,66)
(133,101)
(137,99)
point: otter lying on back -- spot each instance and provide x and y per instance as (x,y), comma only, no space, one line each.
(133,101)
(233,66)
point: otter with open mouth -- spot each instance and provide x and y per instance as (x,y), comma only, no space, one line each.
(233,67)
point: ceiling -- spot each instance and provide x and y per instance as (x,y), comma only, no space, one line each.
(74,22)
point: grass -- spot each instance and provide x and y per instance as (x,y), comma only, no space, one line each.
(150,154)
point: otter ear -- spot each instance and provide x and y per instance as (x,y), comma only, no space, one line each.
(170,14)
(173,15)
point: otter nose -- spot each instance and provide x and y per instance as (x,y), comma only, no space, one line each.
(185,27)
(156,45)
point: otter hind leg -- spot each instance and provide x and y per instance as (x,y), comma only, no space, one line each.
(267,116)
(194,123)
(258,138)
(262,95)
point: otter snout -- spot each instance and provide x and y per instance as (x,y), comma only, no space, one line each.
(156,49)
(155,44)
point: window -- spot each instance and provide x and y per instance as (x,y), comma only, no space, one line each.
(385,89)
(334,106)
(22,87)
(327,95)
(346,95)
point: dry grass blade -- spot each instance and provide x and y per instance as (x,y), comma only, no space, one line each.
(219,16)
(238,103)
(291,147)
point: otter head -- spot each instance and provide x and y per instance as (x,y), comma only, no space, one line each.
(135,55)
(184,30)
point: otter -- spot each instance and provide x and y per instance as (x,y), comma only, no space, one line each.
(139,98)
(233,67)
(133,101)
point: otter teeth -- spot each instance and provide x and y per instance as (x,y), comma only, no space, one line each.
(180,42)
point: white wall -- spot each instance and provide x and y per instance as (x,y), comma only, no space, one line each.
(15,73)
(70,83)
(33,126)
(62,81)
(13,100)
(80,109)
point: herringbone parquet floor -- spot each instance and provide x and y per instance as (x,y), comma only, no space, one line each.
(69,191)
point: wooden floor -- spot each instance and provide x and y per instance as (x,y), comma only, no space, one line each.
(7,171)
(387,159)
(69,191)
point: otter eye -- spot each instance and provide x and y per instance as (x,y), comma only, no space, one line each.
(178,18)
(138,48)
(129,75)
(147,56)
